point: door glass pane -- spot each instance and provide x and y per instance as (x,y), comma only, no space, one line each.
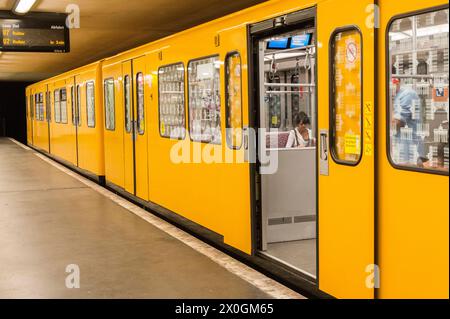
(48,107)
(346,124)
(204,100)
(41,106)
(233,94)
(127,94)
(72,105)
(90,104)
(172,121)
(36,105)
(63,104)
(109,105)
(57,106)
(78,105)
(418,99)
(140,103)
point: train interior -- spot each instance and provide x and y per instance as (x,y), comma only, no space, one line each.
(287,69)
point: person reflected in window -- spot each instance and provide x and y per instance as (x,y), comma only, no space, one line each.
(301,135)
(404,102)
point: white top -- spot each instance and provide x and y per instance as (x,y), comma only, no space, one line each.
(299,141)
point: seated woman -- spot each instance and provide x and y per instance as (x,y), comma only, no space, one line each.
(301,135)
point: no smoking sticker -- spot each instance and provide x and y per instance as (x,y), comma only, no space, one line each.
(351,52)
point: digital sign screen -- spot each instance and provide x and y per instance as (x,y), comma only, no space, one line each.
(35,32)
(278,44)
(300,41)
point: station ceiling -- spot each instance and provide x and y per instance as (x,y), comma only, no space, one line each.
(109,27)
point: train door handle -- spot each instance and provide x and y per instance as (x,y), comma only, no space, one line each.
(324,153)
(249,145)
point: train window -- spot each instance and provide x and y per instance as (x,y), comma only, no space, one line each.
(233,94)
(63,103)
(172,120)
(36,105)
(140,103)
(72,104)
(204,100)
(127,95)
(41,107)
(78,102)
(90,104)
(48,107)
(418,92)
(110,121)
(57,105)
(346,96)
(36,109)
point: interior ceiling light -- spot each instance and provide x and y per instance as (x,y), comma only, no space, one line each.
(23,6)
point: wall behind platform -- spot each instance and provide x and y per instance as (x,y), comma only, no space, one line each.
(12,110)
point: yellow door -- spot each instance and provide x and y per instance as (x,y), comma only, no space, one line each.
(346,157)
(129,135)
(48,114)
(136,142)
(141,96)
(413,188)
(73,113)
(29,117)
(33,116)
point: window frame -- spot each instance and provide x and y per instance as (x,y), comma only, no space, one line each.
(73,106)
(78,103)
(42,106)
(130,103)
(217,55)
(184,101)
(57,92)
(332,96)
(48,106)
(138,121)
(37,107)
(230,145)
(105,84)
(387,90)
(60,106)
(87,104)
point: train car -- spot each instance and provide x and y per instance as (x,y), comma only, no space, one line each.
(65,115)
(310,142)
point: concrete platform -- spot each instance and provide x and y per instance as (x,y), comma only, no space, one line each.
(49,220)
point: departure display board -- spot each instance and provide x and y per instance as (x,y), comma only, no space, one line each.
(35,32)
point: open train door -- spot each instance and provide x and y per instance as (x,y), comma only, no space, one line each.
(346,153)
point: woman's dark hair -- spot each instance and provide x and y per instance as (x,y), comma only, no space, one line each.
(302,118)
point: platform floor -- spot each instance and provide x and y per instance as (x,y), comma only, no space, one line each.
(49,220)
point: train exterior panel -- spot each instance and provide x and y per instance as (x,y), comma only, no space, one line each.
(413,205)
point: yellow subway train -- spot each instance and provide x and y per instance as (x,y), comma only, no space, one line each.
(308,138)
